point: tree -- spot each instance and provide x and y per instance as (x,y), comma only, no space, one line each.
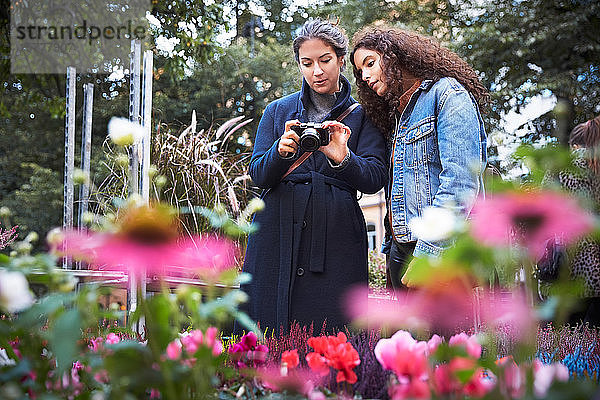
(527,48)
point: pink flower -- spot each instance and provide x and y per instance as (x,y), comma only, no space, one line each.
(403,355)
(533,217)
(211,336)
(112,339)
(470,343)
(444,306)
(191,341)
(202,255)
(433,344)
(247,352)
(417,389)
(174,350)
(512,378)
(102,376)
(544,374)
(479,385)
(96,344)
(212,341)
(444,381)
(249,341)
(294,381)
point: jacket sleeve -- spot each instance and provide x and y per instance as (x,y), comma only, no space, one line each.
(366,171)
(266,165)
(462,160)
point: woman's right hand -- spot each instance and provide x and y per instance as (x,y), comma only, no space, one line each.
(288,144)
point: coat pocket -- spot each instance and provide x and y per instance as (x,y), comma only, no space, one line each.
(420,143)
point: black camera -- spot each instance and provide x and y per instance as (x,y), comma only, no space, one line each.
(312,135)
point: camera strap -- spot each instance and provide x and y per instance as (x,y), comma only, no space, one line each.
(304,156)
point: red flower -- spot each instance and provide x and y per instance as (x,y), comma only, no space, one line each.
(290,358)
(344,359)
(335,352)
(318,363)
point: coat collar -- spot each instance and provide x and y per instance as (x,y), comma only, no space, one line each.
(340,105)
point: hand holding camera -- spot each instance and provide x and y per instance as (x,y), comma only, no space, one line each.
(330,137)
(337,149)
(289,142)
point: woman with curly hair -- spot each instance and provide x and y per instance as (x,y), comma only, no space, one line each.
(425,100)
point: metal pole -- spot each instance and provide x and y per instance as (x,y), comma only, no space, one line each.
(69,154)
(134,116)
(134,110)
(146,122)
(86,152)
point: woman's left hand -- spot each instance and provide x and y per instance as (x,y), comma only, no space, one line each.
(337,148)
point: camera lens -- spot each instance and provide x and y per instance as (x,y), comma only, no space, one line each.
(310,140)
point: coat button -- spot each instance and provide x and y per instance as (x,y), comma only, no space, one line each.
(300,271)
(303,224)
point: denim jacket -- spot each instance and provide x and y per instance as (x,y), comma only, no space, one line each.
(437,157)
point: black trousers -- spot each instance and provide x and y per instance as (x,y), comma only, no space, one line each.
(398,259)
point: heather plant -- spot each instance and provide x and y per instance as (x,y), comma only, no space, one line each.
(7,236)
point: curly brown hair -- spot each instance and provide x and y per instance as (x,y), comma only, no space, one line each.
(421,56)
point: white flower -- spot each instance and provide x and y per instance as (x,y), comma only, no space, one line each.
(5,359)
(124,132)
(14,291)
(434,224)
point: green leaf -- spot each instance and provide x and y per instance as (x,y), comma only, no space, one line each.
(4,259)
(158,322)
(63,336)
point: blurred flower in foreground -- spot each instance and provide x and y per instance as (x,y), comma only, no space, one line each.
(435,224)
(407,358)
(147,238)
(296,380)
(444,307)
(124,132)
(545,374)
(192,341)
(533,217)
(14,291)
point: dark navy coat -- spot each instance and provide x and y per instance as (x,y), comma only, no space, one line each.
(311,245)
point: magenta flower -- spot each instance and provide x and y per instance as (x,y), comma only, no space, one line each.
(191,342)
(112,338)
(248,353)
(470,343)
(174,350)
(532,217)
(206,256)
(96,344)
